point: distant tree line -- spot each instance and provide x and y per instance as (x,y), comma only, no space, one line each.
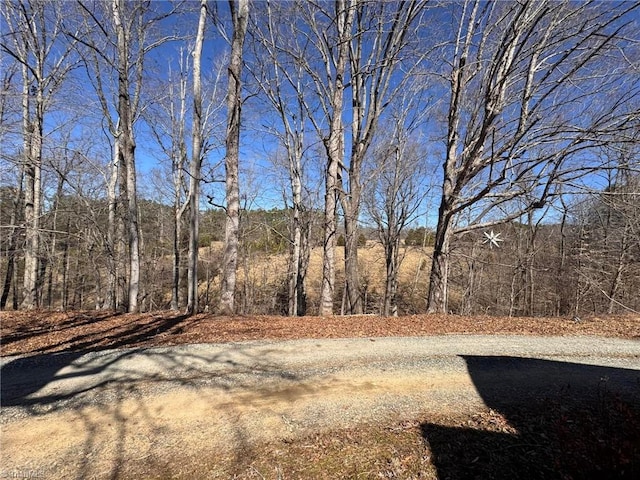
(587,261)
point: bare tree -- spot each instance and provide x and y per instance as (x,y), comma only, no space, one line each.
(169,125)
(349,53)
(240,17)
(12,234)
(334,141)
(114,45)
(12,196)
(393,203)
(34,42)
(517,74)
(610,233)
(196,165)
(282,82)
(381,35)
(396,189)
(126,146)
(319,46)
(168,120)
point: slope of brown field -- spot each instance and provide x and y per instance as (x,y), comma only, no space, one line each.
(268,272)
(371,260)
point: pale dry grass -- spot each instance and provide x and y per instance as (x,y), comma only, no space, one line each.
(269,271)
(413,276)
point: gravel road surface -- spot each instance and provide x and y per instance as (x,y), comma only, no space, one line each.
(109,413)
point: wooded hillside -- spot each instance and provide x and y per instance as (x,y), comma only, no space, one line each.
(348,157)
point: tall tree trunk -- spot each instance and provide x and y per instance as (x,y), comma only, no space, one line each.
(179,209)
(179,157)
(175,273)
(43,263)
(296,250)
(439,276)
(240,16)
(296,276)
(334,146)
(562,290)
(299,255)
(530,266)
(305,255)
(391,250)
(196,166)
(133,230)
(54,243)
(352,278)
(351,208)
(32,125)
(66,265)
(126,151)
(30,259)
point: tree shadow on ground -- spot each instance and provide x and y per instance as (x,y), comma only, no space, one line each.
(97,332)
(78,382)
(38,326)
(547,420)
(22,376)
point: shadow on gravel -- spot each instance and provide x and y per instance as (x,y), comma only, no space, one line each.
(50,381)
(547,420)
(24,376)
(119,383)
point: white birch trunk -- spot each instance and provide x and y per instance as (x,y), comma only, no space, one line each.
(196,165)
(240,15)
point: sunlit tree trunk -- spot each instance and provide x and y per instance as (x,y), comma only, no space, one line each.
(439,276)
(196,166)
(126,155)
(110,298)
(334,145)
(240,17)
(33,124)
(297,272)
(29,49)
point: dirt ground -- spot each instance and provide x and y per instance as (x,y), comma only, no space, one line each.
(25,333)
(308,430)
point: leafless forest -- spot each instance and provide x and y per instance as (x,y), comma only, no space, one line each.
(260,157)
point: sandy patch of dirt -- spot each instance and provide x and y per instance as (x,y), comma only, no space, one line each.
(131,436)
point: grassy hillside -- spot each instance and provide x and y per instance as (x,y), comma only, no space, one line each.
(262,278)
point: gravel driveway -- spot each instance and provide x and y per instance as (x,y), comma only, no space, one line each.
(108,414)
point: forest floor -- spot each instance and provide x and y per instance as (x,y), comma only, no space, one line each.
(574,433)
(25,333)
